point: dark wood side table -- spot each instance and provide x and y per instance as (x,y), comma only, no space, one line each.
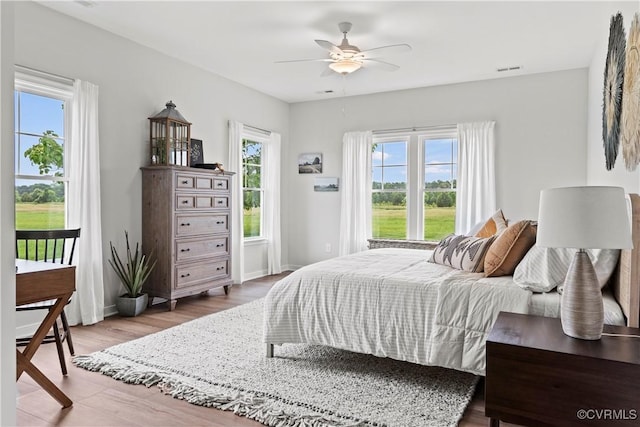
(538,376)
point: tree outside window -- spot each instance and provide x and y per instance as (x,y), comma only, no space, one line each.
(41,181)
(252,190)
(414,184)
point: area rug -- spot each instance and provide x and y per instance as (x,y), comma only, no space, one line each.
(219,361)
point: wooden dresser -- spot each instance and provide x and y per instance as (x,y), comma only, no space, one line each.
(186,223)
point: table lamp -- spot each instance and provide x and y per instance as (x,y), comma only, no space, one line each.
(583,218)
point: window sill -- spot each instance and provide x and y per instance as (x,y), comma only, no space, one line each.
(407,244)
(255,241)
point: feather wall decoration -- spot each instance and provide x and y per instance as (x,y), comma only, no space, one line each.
(630,121)
(612,94)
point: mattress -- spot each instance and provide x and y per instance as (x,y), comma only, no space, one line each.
(393,303)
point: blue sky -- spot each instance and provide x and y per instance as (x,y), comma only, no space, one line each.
(34,115)
(393,156)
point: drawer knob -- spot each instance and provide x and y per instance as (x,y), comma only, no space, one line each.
(185,182)
(219,245)
(184,202)
(220,202)
(185,275)
(219,268)
(185,250)
(219,222)
(185,224)
(220,184)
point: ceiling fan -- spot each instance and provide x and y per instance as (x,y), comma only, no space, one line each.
(346,58)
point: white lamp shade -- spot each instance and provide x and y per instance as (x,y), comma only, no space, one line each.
(584,218)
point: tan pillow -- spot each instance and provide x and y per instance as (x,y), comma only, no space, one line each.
(494,225)
(509,248)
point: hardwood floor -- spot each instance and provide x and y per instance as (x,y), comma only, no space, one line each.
(102,401)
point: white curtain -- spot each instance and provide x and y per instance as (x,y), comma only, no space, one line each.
(237,233)
(476,193)
(355,211)
(271,203)
(83,163)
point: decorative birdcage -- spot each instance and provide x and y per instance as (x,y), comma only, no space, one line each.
(170,137)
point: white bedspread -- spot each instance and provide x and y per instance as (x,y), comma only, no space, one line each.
(391,303)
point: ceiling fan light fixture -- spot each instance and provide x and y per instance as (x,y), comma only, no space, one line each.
(345,66)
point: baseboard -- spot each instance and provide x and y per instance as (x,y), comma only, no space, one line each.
(110,310)
(255,275)
(26,330)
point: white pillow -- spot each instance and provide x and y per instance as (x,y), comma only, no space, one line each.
(543,269)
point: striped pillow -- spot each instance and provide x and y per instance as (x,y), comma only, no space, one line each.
(462,252)
(542,269)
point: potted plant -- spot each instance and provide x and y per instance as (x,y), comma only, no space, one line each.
(132,272)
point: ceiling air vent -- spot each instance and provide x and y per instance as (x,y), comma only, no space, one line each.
(512,68)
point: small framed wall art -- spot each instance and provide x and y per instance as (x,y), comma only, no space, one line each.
(310,163)
(326,184)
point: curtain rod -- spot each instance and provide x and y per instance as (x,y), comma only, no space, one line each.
(267,132)
(413,129)
(45,74)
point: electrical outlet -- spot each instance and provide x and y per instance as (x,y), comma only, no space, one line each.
(327,247)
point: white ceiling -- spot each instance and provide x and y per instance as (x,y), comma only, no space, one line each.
(452,41)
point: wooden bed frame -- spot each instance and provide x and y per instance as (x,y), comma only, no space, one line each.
(626,284)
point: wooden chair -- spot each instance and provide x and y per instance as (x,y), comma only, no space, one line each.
(57,246)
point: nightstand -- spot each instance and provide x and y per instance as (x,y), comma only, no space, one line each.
(538,376)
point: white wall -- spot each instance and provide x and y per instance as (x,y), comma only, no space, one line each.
(540,143)
(7,221)
(597,174)
(135,82)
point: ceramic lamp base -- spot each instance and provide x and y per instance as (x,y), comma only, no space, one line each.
(582,312)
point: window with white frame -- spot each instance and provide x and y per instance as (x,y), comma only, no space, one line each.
(41,128)
(414,184)
(252,186)
(440,169)
(389,191)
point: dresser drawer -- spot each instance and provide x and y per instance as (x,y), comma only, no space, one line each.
(195,182)
(187,249)
(221,184)
(191,201)
(188,274)
(188,225)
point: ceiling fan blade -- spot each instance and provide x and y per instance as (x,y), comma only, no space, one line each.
(376,52)
(304,60)
(330,47)
(387,66)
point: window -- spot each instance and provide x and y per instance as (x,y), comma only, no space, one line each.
(252,187)
(414,184)
(41,124)
(440,158)
(389,164)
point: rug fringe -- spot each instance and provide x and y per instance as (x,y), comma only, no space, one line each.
(246,405)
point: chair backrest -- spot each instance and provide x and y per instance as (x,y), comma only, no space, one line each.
(56,246)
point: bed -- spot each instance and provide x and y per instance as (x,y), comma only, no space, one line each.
(391,302)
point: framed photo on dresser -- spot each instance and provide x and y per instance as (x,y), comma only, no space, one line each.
(196,152)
